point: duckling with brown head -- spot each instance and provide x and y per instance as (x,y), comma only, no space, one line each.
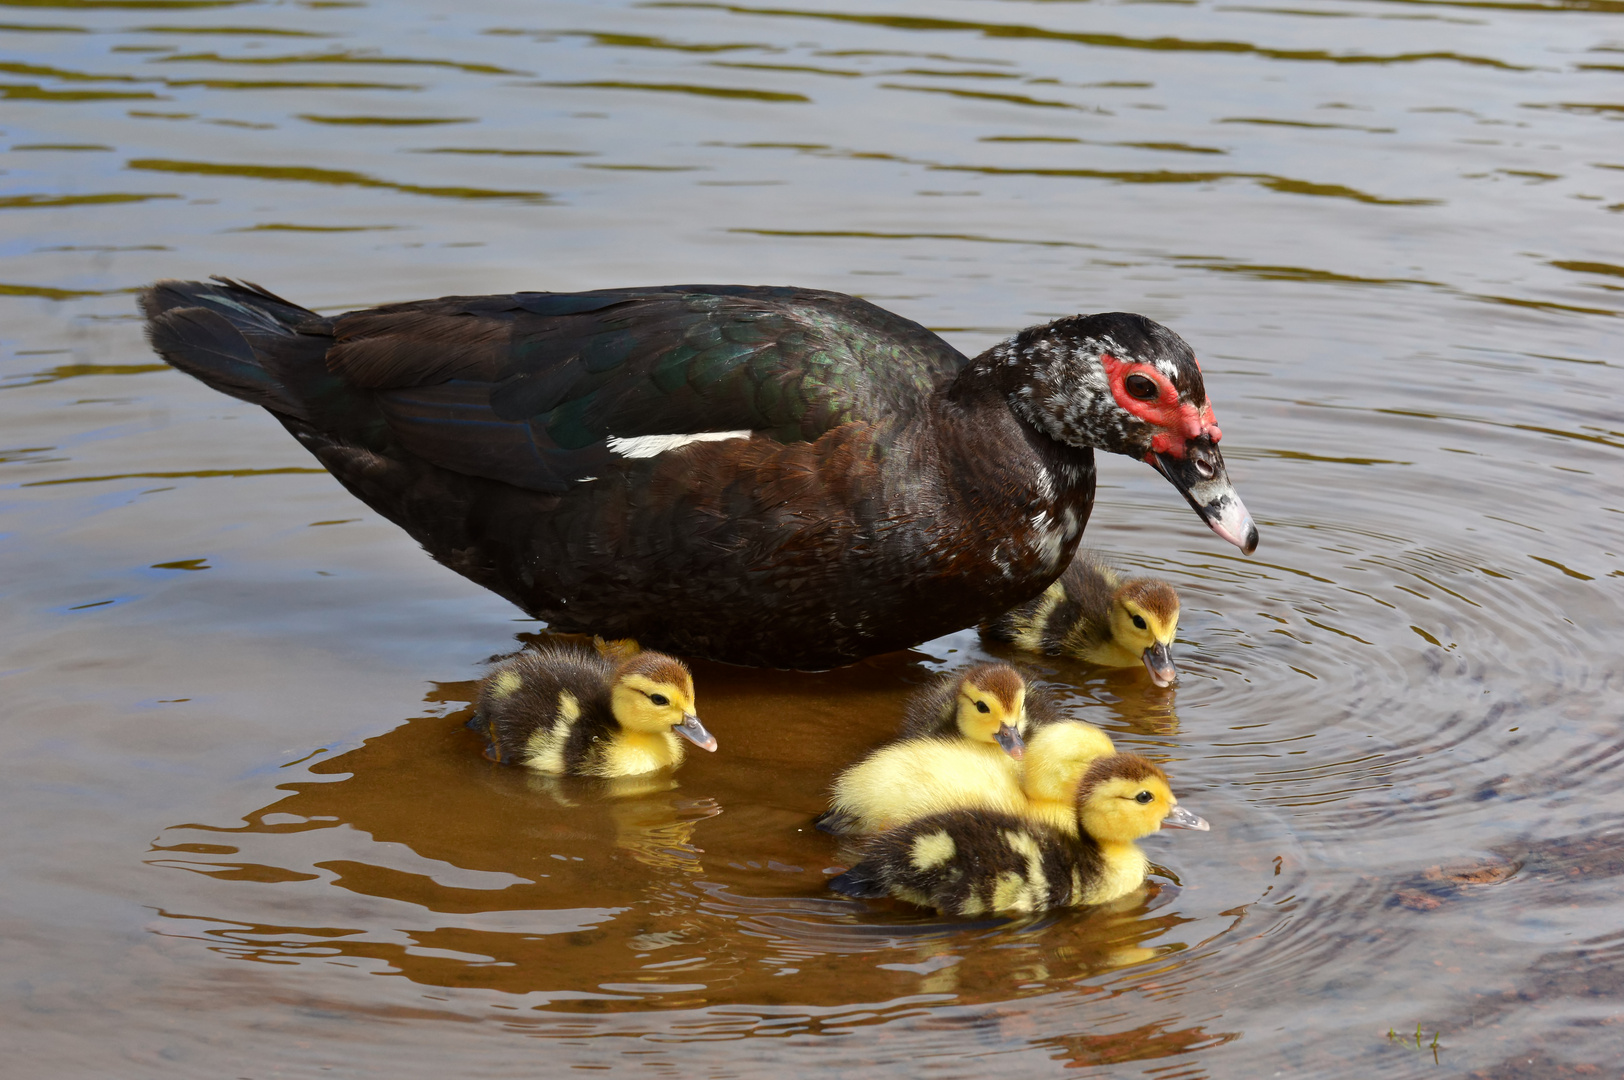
(1095,614)
(569,711)
(986,703)
(967,863)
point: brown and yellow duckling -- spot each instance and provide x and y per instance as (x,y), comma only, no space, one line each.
(968,863)
(570,711)
(973,722)
(1093,613)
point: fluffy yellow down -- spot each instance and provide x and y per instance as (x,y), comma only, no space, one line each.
(911,779)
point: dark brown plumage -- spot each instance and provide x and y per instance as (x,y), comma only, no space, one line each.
(774,476)
(571,711)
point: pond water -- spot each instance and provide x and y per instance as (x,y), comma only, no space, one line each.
(248,834)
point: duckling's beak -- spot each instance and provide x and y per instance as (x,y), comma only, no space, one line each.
(1159,662)
(1180,818)
(1007,737)
(692,730)
(1200,477)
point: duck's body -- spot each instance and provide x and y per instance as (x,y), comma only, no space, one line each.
(772,476)
(961,742)
(968,863)
(1093,613)
(569,711)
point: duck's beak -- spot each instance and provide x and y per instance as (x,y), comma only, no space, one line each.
(1159,662)
(1010,739)
(1200,477)
(1180,818)
(692,730)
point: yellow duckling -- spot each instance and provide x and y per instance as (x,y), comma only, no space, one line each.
(570,711)
(960,731)
(967,863)
(921,777)
(1093,613)
(1057,757)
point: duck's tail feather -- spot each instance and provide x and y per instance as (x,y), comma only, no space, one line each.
(862,881)
(236,337)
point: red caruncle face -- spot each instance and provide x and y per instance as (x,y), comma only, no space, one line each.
(1177,421)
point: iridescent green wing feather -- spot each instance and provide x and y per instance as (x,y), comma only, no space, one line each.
(530,388)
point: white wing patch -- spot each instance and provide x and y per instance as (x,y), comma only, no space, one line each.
(647,446)
(1049,539)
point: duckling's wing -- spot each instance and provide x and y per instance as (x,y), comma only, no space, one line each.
(543,389)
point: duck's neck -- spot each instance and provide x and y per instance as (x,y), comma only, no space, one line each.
(1007,379)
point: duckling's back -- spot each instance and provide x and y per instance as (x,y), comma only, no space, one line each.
(914,778)
(968,863)
(1057,756)
(1072,616)
(931,710)
(542,708)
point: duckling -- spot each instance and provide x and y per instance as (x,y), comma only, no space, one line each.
(968,863)
(934,775)
(959,734)
(1093,613)
(1057,757)
(985,703)
(569,711)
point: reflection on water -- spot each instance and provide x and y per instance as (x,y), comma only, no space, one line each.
(241,831)
(661,881)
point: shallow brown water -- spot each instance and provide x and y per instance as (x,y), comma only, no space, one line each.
(249,835)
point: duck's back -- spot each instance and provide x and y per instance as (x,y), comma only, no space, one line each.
(537,389)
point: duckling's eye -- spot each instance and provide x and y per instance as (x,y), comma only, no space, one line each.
(1143,797)
(1141,387)
(659,699)
(981,706)
(1139,621)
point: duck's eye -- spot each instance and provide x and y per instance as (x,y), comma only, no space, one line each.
(659,699)
(1140,387)
(981,706)
(1139,621)
(1143,797)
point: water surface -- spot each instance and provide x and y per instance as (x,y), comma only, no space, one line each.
(248,833)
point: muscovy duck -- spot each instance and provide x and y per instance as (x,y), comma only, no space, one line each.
(772,476)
